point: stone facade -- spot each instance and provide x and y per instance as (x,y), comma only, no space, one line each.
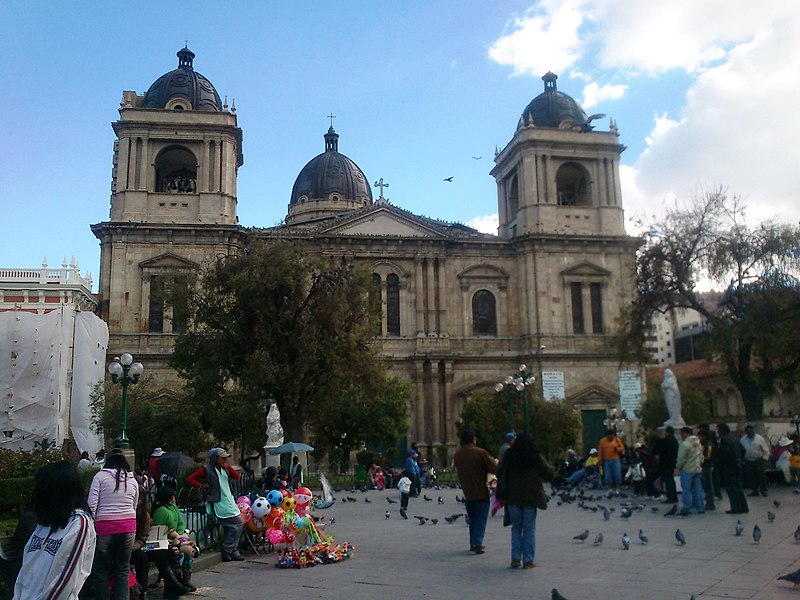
(460,309)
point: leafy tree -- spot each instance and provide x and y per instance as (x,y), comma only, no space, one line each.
(755,329)
(375,413)
(272,324)
(155,418)
(653,411)
(554,424)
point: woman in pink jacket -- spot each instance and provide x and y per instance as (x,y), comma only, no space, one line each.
(112,497)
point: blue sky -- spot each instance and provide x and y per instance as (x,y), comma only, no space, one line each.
(703,95)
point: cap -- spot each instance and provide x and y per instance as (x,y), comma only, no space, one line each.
(510,436)
(593,451)
(157,452)
(636,446)
(215,452)
(784,441)
(412,452)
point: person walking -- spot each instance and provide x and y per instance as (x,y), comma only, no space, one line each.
(57,558)
(412,468)
(666,449)
(689,466)
(474,465)
(709,454)
(215,478)
(756,452)
(610,450)
(521,473)
(729,465)
(113,496)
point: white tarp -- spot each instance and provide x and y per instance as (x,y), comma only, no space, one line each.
(36,358)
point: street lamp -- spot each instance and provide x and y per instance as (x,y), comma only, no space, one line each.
(613,420)
(125,372)
(520,382)
(796,422)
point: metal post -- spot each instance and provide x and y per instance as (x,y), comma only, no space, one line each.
(510,409)
(525,400)
(122,440)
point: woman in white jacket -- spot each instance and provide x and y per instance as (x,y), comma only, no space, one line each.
(57,558)
(112,498)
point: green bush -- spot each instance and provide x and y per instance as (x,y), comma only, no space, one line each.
(15,494)
(23,463)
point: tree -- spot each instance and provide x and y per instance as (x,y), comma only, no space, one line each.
(375,413)
(271,324)
(755,329)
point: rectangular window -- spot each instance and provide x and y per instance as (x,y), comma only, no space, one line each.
(595,290)
(576,292)
(155,321)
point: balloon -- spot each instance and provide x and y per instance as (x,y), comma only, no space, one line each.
(288,503)
(244,500)
(303,496)
(276,536)
(274,497)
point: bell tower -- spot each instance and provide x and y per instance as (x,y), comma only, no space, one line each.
(558,175)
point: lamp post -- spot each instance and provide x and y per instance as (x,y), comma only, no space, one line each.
(796,422)
(125,372)
(520,382)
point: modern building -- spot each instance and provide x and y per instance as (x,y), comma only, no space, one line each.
(460,309)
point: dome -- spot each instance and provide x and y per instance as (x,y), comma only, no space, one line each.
(331,176)
(554,109)
(184,83)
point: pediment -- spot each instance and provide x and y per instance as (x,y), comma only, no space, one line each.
(585,269)
(168,261)
(483,271)
(382,221)
(595,395)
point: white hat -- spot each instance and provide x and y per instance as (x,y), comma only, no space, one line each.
(593,451)
(784,441)
(157,452)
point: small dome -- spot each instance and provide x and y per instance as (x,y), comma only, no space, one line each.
(554,109)
(331,175)
(184,83)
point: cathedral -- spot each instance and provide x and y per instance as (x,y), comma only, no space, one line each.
(460,309)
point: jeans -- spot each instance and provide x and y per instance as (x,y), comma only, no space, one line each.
(478,513)
(231,530)
(577,477)
(692,486)
(523,532)
(403,499)
(112,556)
(708,484)
(612,472)
(756,476)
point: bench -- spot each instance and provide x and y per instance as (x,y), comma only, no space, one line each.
(10,563)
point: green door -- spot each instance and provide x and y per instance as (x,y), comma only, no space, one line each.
(593,428)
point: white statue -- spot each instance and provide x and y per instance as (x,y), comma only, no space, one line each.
(274,431)
(672,398)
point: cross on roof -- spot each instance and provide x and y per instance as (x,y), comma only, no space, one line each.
(380,184)
(331,117)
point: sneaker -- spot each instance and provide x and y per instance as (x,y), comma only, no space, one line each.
(684,513)
(478,549)
(528,565)
(515,564)
(712,507)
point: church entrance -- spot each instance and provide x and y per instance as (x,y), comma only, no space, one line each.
(593,428)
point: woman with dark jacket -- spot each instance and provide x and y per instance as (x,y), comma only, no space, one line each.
(521,474)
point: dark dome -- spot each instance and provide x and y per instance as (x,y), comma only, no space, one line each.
(183,82)
(331,173)
(553,109)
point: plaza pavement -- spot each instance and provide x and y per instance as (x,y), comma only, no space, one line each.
(403,559)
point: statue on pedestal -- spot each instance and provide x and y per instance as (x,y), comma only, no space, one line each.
(273,434)
(672,398)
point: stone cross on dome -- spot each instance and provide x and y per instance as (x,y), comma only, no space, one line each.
(381,184)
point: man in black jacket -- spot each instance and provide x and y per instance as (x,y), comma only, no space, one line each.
(729,466)
(666,449)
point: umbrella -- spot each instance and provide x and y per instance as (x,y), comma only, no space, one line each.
(174,463)
(292,447)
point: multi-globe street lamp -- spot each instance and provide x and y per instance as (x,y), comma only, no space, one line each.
(125,372)
(615,419)
(518,382)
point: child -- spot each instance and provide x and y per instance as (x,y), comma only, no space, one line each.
(636,476)
(404,485)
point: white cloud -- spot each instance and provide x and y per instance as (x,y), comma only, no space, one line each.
(485,224)
(594,94)
(545,39)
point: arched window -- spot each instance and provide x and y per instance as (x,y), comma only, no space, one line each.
(573,185)
(176,171)
(484,313)
(512,193)
(155,318)
(392,304)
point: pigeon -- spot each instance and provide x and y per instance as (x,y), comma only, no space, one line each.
(756,534)
(332,521)
(642,537)
(776,504)
(626,541)
(740,527)
(403,513)
(461,500)
(598,539)
(422,520)
(625,512)
(391,501)
(556,596)
(434,521)
(387,514)
(351,499)
(440,500)
(672,511)
(427,499)
(582,536)
(770,516)
(453,518)
(794,577)
(680,537)
(450,179)
(797,534)
(367,500)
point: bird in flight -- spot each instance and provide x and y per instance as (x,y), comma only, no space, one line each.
(450,179)
(477,157)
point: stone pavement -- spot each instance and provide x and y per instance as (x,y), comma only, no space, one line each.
(405,560)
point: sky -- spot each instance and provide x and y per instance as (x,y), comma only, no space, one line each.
(702,92)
